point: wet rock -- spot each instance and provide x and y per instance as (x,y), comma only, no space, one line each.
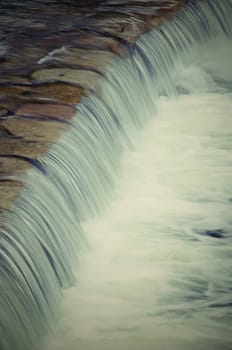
(50,56)
(45,131)
(4,132)
(9,191)
(3,112)
(88,59)
(27,148)
(62,92)
(11,166)
(65,93)
(85,79)
(45,111)
(96,41)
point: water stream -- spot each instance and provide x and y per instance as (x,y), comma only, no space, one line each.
(158,273)
(139,193)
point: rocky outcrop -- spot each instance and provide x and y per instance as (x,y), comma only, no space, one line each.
(50,57)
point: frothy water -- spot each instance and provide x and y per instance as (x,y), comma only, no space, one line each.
(158,273)
(143,178)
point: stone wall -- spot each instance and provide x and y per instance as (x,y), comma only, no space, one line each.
(51,54)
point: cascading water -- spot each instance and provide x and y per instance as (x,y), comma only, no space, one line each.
(157,273)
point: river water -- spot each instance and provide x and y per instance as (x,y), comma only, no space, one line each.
(121,236)
(157,272)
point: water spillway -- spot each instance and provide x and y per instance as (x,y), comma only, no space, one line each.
(142,178)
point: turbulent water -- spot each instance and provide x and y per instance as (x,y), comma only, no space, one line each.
(158,274)
(143,179)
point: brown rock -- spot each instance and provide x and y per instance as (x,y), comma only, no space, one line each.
(49,57)
(46,111)
(63,92)
(9,166)
(9,191)
(91,59)
(55,91)
(82,78)
(32,130)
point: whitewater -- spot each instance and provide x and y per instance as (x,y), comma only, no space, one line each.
(121,237)
(157,274)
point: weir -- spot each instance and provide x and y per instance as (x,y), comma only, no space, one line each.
(43,235)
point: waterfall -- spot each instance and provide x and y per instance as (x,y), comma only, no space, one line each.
(42,235)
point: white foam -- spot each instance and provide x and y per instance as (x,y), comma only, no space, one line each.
(154,276)
(156,272)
